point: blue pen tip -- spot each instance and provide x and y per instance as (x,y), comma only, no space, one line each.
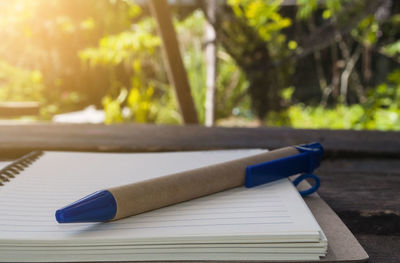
(60,216)
(97,207)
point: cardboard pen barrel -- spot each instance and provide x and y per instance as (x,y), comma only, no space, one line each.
(166,190)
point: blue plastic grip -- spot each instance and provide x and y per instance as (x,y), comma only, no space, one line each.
(306,161)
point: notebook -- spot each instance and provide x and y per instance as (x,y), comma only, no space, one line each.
(268,222)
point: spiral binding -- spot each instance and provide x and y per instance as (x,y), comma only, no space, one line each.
(13,169)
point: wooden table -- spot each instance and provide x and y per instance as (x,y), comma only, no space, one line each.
(360,173)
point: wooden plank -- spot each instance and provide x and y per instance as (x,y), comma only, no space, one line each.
(363,192)
(15,139)
(365,184)
(175,68)
(17,109)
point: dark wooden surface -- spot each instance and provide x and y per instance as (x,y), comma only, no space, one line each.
(16,139)
(360,173)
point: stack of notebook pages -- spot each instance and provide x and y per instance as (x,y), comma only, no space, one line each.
(268,222)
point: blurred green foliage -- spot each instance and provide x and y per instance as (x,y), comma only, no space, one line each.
(367,31)
(46,36)
(381,111)
(393,49)
(308,7)
(232,90)
(70,54)
(135,44)
(148,97)
(264,17)
(17,84)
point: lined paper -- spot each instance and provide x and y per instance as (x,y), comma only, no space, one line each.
(269,219)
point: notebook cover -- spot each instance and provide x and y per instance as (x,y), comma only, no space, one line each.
(342,245)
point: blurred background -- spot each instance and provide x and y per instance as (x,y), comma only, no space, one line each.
(304,64)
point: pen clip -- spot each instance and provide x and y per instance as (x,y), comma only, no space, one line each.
(303,163)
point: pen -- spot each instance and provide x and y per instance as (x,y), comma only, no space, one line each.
(127,200)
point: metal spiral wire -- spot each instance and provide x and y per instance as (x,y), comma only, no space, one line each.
(13,169)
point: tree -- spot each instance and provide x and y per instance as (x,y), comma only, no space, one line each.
(252,32)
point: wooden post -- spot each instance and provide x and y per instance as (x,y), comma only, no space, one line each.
(211,62)
(174,64)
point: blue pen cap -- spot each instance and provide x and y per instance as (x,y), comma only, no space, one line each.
(97,207)
(308,159)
